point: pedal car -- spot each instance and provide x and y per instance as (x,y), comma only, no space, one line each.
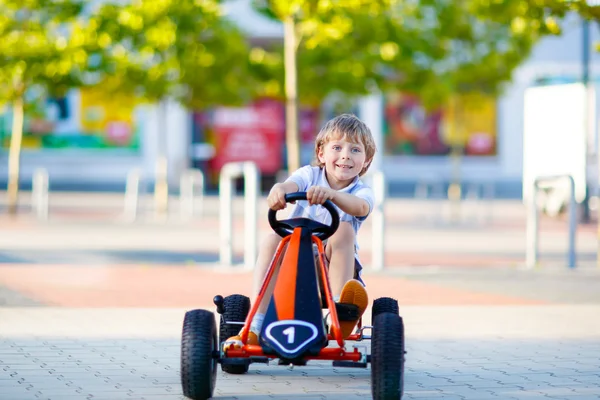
(300,321)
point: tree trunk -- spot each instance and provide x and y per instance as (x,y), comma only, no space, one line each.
(14,156)
(291,95)
(161,185)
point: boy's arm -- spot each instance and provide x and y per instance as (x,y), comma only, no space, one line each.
(287,186)
(351,204)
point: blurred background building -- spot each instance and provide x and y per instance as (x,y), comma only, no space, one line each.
(88,141)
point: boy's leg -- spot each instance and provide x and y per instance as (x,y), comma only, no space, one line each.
(265,255)
(340,252)
(263,261)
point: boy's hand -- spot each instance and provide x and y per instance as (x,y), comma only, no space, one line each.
(276,198)
(319,194)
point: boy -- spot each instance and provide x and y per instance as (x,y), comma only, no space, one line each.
(344,149)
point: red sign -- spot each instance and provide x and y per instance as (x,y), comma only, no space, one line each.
(254,133)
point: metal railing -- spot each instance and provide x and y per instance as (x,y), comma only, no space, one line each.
(532,249)
(190,180)
(132,195)
(433,192)
(477,204)
(378,221)
(251,175)
(191,188)
(479,198)
(39,193)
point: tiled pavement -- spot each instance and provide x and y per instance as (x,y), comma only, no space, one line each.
(452,353)
(93,310)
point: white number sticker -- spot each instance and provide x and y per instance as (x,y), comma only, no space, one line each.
(290,333)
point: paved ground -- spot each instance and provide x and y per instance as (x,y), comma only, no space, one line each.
(91,307)
(530,352)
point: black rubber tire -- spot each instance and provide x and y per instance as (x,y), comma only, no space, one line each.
(384,304)
(387,357)
(198,347)
(236,308)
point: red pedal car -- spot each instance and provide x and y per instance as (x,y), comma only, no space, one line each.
(295,329)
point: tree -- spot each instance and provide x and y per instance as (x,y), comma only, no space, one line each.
(43,49)
(312,47)
(433,48)
(180,49)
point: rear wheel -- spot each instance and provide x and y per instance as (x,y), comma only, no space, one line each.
(236,308)
(198,354)
(387,357)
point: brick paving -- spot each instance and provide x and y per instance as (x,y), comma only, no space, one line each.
(64,353)
(123,369)
(92,308)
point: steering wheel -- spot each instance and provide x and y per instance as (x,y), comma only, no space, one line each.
(285,227)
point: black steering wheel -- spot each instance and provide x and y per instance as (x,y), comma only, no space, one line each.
(286,226)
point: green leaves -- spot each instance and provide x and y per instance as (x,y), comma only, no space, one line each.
(42,43)
(432,48)
(186,49)
(178,48)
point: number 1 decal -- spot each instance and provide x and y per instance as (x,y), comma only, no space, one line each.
(289,336)
(290,333)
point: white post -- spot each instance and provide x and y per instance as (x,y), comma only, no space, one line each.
(472,202)
(228,172)
(251,190)
(421,190)
(39,193)
(532,248)
(489,193)
(531,254)
(371,113)
(250,173)
(187,192)
(378,218)
(571,255)
(430,191)
(132,190)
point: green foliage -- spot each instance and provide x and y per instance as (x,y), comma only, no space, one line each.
(434,48)
(43,46)
(585,8)
(178,48)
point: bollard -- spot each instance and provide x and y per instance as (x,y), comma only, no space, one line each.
(39,193)
(378,244)
(251,175)
(187,192)
(489,194)
(532,229)
(431,191)
(473,202)
(421,190)
(132,190)
(479,202)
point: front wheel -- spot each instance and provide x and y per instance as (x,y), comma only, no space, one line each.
(199,347)
(387,357)
(383,304)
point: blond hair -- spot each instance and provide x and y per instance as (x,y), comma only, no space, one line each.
(349,127)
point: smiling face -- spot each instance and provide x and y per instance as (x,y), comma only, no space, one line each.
(343,159)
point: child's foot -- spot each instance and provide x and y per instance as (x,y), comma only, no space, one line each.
(353,293)
(235,342)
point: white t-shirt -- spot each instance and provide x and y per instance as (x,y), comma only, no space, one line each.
(308,176)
